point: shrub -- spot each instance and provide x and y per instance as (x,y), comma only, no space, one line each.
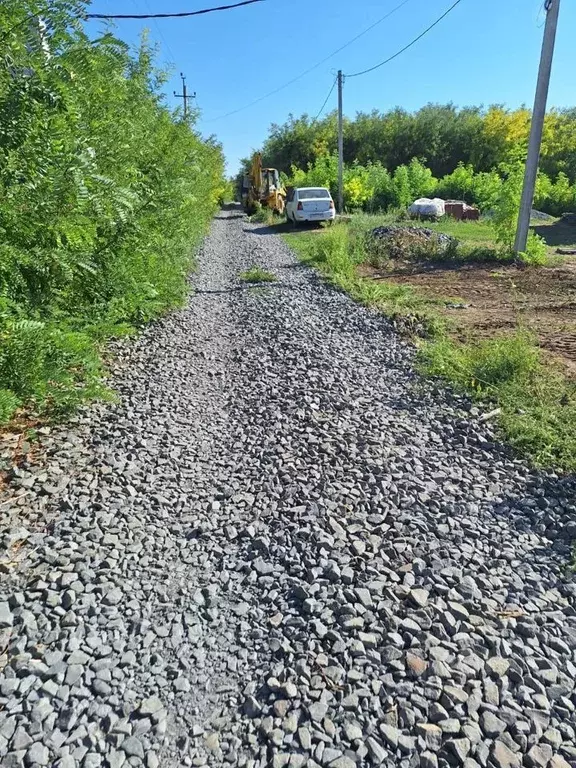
(8,405)
(322,173)
(486,189)
(458,185)
(358,189)
(536,253)
(48,366)
(401,187)
(104,194)
(373,188)
(422,182)
(562,196)
(505,217)
(383,189)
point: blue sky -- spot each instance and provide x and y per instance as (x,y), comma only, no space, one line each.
(484,52)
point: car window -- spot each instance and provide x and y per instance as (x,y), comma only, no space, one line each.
(313,194)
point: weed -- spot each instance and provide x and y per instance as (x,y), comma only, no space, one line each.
(266,216)
(536,253)
(483,366)
(8,404)
(258,275)
(538,405)
(48,366)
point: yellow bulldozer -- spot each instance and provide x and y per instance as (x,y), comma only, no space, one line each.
(263,186)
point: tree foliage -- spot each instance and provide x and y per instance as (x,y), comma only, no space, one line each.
(104,192)
(442,136)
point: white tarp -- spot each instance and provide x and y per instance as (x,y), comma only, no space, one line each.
(425,206)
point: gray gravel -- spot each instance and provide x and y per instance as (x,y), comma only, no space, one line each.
(282,548)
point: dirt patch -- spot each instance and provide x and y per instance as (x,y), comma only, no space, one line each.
(484,301)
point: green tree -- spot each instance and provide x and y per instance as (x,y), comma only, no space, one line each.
(104,193)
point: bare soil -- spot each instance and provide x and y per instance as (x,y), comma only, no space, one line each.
(484,301)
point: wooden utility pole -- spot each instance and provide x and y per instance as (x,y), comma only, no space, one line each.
(340,145)
(537,125)
(184,95)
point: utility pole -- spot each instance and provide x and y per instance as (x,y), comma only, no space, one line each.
(340,145)
(537,124)
(184,95)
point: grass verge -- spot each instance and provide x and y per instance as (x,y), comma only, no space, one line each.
(537,403)
(337,253)
(258,275)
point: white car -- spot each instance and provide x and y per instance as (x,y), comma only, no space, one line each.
(309,204)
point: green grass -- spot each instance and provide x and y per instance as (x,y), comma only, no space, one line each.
(537,403)
(473,232)
(258,275)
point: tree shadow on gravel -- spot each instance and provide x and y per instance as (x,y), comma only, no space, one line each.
(546,508)
(246,287)
(278,229)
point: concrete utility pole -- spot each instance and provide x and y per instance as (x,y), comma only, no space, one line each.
(340,145)
(184,95)
(537,125)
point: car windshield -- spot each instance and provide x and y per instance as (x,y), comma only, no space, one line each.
(313,194)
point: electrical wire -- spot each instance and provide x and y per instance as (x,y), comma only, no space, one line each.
(420,36)
(326,100)
(170,15)
(311,69)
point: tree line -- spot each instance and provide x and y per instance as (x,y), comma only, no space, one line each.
(394,157)
(440,136)
(104,193)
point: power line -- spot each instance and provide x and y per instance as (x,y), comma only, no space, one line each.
(326,101)
(311,69)
(170,15)
(420,36)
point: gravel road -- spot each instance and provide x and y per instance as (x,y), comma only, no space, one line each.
(281,547)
